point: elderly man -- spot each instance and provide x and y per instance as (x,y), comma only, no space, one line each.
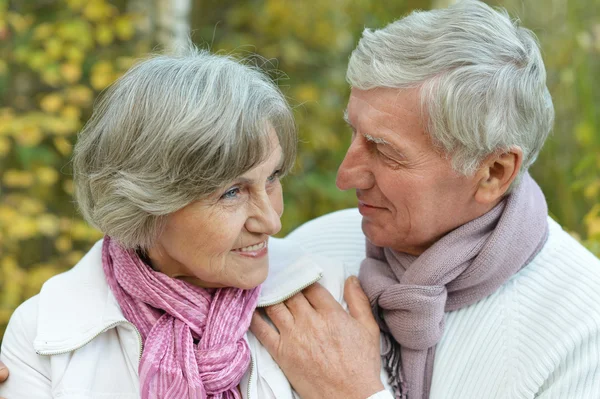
(478,294)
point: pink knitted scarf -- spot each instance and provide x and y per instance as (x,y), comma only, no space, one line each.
(410,294)
(193,337)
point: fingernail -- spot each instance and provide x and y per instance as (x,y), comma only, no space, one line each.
(354,280)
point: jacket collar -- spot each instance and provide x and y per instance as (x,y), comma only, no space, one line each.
(78,305)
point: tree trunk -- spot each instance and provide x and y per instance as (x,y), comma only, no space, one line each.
(172,23)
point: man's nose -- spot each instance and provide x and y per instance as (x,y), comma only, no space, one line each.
(354,171)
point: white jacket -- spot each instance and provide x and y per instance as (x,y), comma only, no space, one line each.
(72,341)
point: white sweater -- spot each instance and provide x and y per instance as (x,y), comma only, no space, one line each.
(538,336)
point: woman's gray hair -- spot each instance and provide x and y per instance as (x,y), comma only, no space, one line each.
(481,78)
(172,130)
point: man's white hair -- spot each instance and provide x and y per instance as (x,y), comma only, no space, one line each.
(173,130)
(481,79)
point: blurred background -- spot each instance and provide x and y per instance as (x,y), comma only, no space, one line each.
(56,56)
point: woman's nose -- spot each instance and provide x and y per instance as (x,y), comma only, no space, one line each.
(266,218)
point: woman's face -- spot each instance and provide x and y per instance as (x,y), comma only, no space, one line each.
(221,241)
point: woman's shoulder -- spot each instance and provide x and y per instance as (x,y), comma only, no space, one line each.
(19,355)
(292,268)
(22,326)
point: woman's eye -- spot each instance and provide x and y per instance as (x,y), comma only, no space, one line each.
(231,193)
(274,176)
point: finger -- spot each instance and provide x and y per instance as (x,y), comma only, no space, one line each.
(298,305)
(280,316)
(265,333)
(358,305)
(320,298)
(3,372)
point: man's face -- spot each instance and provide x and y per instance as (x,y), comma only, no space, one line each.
(408,193)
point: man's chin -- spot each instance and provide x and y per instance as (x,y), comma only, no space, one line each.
(373,232)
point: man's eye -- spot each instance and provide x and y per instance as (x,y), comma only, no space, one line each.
(231,193)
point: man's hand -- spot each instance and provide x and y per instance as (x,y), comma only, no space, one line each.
(323,351)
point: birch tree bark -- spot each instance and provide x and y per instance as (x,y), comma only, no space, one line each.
(166,22)
(443,3)
(172,23)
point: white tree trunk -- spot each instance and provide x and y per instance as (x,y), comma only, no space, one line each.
(172,23)
(443,3)
(145,10)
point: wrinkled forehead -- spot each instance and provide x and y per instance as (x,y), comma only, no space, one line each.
(384,107)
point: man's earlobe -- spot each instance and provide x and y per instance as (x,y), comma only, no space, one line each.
(496,174)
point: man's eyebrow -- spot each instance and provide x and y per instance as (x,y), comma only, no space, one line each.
(376,140)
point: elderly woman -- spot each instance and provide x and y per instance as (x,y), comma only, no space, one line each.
(180,168)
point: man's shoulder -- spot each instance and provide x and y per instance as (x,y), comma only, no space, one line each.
(337,235)
(560,288)
(564,255)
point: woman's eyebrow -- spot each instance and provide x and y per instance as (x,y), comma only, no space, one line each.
(250,181)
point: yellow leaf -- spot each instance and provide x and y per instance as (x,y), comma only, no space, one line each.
(63,146)
(20,23)
(47,176)
(7,215)
(52,77)
(5,146)
(11,293)
(51,103)
(17,179)
(102,75)
(65,224)
(71,112)
(307,93)
(68,186)
(592,190)
(74,54)
(124,63)
(74,257)
(76,5)
(80,95)
(592,220)
(29,136)
(37,60)
(594,227)
(124,28)
(71,72)
(63,244)
(47,225)
(54,48)
(97,10)
(43,31)
(584,132)
(104,35)
(30,206)
(22,229)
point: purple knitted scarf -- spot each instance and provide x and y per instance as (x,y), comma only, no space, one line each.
(193,337)
(410,294)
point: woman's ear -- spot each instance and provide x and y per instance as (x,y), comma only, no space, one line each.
(496,173)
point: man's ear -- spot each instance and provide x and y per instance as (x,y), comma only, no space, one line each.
(496,173)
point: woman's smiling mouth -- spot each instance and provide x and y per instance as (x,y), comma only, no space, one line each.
(253,251)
